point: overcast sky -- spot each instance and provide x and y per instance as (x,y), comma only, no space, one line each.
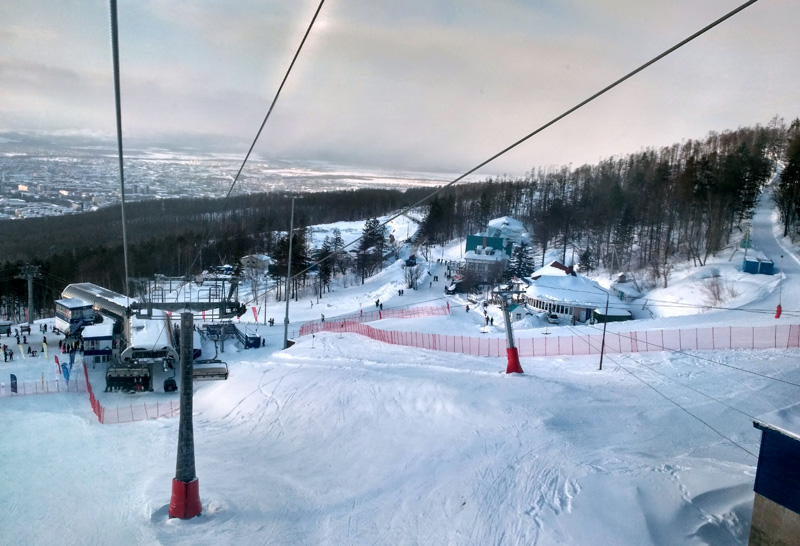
(411,84)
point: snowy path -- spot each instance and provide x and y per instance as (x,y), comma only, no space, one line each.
(764,239)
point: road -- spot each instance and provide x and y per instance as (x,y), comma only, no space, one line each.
(787,264)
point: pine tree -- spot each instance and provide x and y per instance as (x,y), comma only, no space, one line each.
(521,263)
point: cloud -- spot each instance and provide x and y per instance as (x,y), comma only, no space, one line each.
(430,84)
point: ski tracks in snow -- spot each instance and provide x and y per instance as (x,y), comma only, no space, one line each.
(533,487)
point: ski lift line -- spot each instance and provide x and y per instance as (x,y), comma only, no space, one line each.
(675,381)
(277,94)
(118,104)
(269,112)
(678,351)
(720,434)
(559,117)
(273,288)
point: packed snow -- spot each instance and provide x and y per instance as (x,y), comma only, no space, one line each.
(345,440)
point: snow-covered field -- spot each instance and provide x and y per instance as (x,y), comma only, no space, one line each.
(344,440)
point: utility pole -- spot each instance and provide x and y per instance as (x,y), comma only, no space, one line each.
(29,272)
(603,344)
(288,280)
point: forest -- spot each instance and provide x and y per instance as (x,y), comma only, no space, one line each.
(638,212)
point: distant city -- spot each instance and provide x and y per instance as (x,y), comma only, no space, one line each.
(38,178)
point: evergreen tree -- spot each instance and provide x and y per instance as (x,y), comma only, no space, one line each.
(586,261)
(371,248)
(521,263)
(787,194)
(325,256)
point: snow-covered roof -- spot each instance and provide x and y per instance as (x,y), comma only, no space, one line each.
(73,303)
(576,291)
(97,331)
(259,257)
(497,256)
(507,228)
(506,222)
(149,333)
(553,269)
(785,421)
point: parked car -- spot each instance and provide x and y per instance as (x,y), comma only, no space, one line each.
(552,318)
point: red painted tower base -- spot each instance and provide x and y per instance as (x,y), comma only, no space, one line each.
(513,361)
(185,502)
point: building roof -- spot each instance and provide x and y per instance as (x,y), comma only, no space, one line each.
(100,298)
(509,229)
(259,257)
(786,421)
(73,303)
(575,291)
(497,256)
(506,223)
(98,331)
(555,269)
(474,241)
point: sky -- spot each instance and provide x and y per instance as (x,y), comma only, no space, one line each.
(437,85)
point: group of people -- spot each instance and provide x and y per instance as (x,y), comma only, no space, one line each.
(22,339)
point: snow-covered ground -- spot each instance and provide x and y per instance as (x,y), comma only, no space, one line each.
(345,440)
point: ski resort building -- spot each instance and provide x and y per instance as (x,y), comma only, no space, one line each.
(575,298)
(73,315)
(484,261)
(99,344)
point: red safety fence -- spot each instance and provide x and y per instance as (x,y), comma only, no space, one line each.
(131,412)
(371,316)
(687,339)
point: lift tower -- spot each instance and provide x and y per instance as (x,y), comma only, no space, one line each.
(29,272)
(513,355)
(219,298)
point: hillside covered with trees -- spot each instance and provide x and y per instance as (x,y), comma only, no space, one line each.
(641,211)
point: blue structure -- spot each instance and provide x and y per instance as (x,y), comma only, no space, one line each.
(758,266)
(776,507)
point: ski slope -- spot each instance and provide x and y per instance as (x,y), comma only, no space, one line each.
(344,440)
